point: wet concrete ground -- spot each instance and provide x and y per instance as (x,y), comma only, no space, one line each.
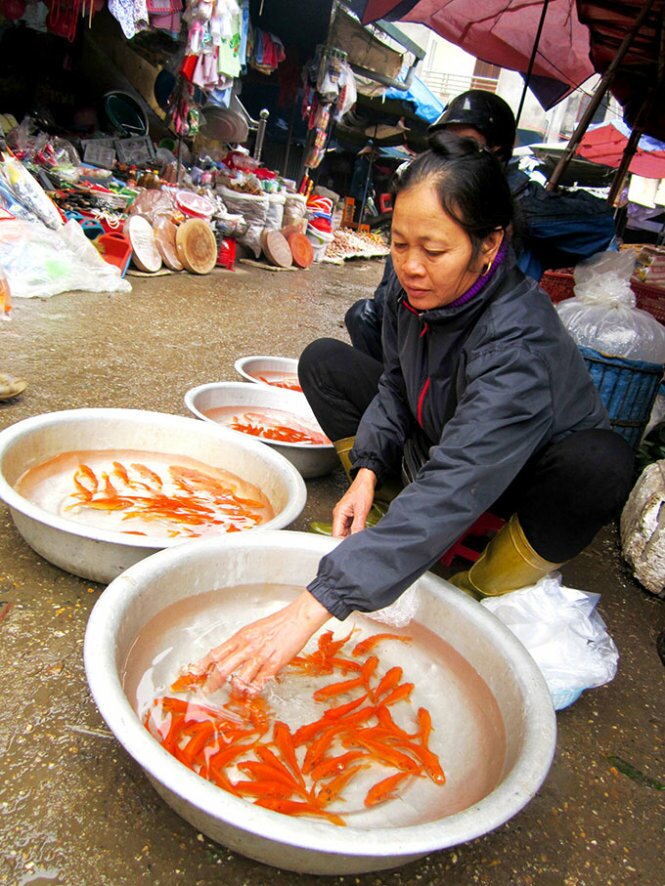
(75,809)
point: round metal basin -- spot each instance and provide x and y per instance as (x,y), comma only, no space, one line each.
(254,367)
(494,726)
(310,460)
(99,554)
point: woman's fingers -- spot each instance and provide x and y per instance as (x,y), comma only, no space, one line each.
(222,670)
(350,512)
(219,653)
(260,650)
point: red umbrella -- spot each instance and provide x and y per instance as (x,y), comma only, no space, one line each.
(606,144)
(503,32)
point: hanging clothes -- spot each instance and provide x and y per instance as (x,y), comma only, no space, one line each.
(165,15)
(227,35)
(268,52)
(132,15)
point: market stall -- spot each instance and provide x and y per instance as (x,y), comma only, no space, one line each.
(161,156)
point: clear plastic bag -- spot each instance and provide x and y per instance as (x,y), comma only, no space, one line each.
(564,634)
(39,262)
(154,205)
(603,316)
(399,613)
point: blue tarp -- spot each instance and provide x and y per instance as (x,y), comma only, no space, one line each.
(421,100)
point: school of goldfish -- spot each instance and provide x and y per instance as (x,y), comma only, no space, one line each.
(259,424)
(290,382)
(243,750)
(196,502)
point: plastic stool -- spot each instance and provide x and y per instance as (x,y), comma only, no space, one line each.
(116,249)
(226,256)
(485,524)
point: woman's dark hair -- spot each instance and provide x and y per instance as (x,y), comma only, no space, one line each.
(469,181)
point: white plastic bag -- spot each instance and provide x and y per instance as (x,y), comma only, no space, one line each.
(603,316)
(564,634)
(275,215)
(39,262)
(400,613)
(294,209)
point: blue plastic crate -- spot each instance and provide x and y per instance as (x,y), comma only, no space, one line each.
(627,389)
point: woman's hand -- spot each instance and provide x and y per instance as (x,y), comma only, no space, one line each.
(258,651)
(350,512)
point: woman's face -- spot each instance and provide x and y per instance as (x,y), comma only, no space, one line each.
(432,254)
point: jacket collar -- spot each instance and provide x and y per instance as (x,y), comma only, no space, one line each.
(466,306)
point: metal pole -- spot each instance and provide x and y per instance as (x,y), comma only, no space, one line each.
(638,126)
(620,174)
(370,164)
(179,163)
(289,139)
(601,89)
(260,133)
(532,60)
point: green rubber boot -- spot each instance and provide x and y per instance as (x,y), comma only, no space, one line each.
(384,495)
(386,492)
(375,513)
(343,447)
(507,564)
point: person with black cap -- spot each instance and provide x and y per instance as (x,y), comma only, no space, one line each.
(476,114)
(542,235)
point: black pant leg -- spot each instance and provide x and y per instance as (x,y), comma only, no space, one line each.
(567,492)
(363,323)
(339,382)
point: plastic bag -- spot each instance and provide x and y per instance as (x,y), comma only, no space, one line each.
(603,316)
(294,209)
(643,531)
(399,613)
(39,262)
(564,634)
(253,208)
(154,205)
(275,215)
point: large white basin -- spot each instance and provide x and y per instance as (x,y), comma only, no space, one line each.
(101,555)
(310,460)
(494,722)
(253,367)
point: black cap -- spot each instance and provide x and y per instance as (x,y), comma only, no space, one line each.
(487,113)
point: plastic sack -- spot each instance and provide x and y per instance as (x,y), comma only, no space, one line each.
(229,225)
(564,634)
(39,262)
(642,527)
(294,209)
(254,208)
(275,214)
(603,316)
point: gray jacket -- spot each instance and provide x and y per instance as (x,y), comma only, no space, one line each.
(486,384)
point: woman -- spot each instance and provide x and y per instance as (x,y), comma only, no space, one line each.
(483,402)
